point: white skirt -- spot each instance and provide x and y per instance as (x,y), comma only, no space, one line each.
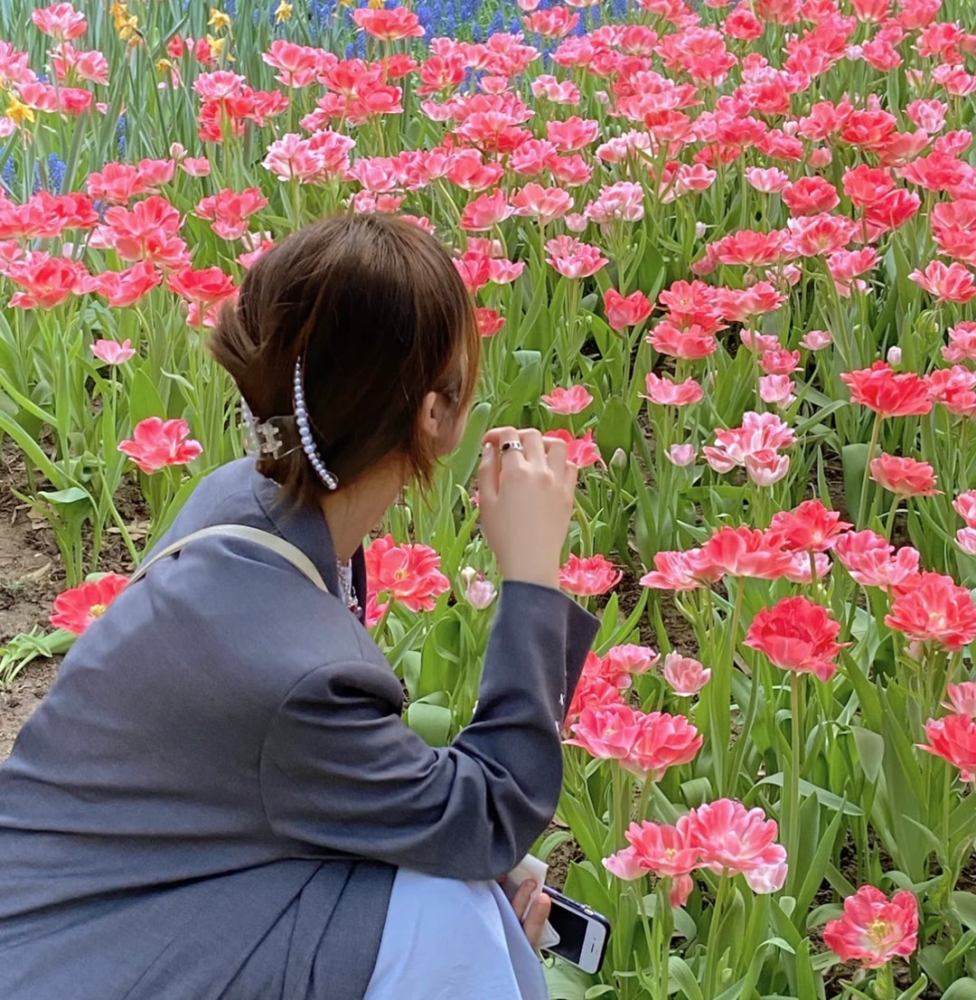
(447,940)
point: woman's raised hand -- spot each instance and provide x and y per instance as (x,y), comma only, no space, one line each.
(527,486)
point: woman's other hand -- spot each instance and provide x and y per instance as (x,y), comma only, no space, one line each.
(527,487)
(532,912)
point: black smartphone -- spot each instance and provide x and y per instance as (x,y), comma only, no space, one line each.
(583,933)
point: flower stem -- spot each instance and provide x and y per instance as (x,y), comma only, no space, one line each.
(884,984)
(796,762)
(862,506)
(712,971)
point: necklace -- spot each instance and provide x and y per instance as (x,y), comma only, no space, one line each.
(346,585)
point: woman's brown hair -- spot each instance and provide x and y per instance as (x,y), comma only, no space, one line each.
(379,316)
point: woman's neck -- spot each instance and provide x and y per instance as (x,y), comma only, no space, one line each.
(352,512)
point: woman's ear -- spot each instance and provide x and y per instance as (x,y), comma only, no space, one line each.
(441,422)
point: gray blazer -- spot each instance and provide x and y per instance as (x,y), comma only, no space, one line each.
(212,800)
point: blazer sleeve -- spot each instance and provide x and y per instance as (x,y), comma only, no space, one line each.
(340,770)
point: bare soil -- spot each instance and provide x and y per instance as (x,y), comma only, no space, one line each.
(29,579)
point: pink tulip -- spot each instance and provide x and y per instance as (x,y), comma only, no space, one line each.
(574,259)
(588,576)
(816,340)
(622,661)
(112,352)
(664,392)
(662,741)
(874,929)
(965,507)
(625,311)
(962,698)
(685,674)
(777,389)
(575,399)
(966,539)
(486,211)
(681,454)
(156,443)
(607,732)
(478,592)
(735,839)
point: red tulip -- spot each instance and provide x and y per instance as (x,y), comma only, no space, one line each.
(811,527)
(490,321)
(581,451)
(888,393)
(953,738)
(203,290)
(125,288)
(797,634)
(933,607)
(410,573)
(747,552)
(625,311)
(156,443)
(592,692)
(874,929)
(47,281)
(588,576)
(905,476)
(77,608)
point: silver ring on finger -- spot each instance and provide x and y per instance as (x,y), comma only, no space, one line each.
(511,446)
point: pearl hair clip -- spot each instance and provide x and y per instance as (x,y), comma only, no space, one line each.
(267,437)
(305,433)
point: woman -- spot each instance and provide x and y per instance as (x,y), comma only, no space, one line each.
(218,798)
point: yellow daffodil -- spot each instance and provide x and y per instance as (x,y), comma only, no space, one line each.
(282,11)
(19,112)
(217,45)
(219,21)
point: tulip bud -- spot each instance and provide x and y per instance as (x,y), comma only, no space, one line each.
(894,356)
(700,230)
(478,592)
(680,454)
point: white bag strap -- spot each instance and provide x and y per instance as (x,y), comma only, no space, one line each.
(265,539)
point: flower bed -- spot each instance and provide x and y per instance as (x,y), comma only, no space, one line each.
(727,253)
